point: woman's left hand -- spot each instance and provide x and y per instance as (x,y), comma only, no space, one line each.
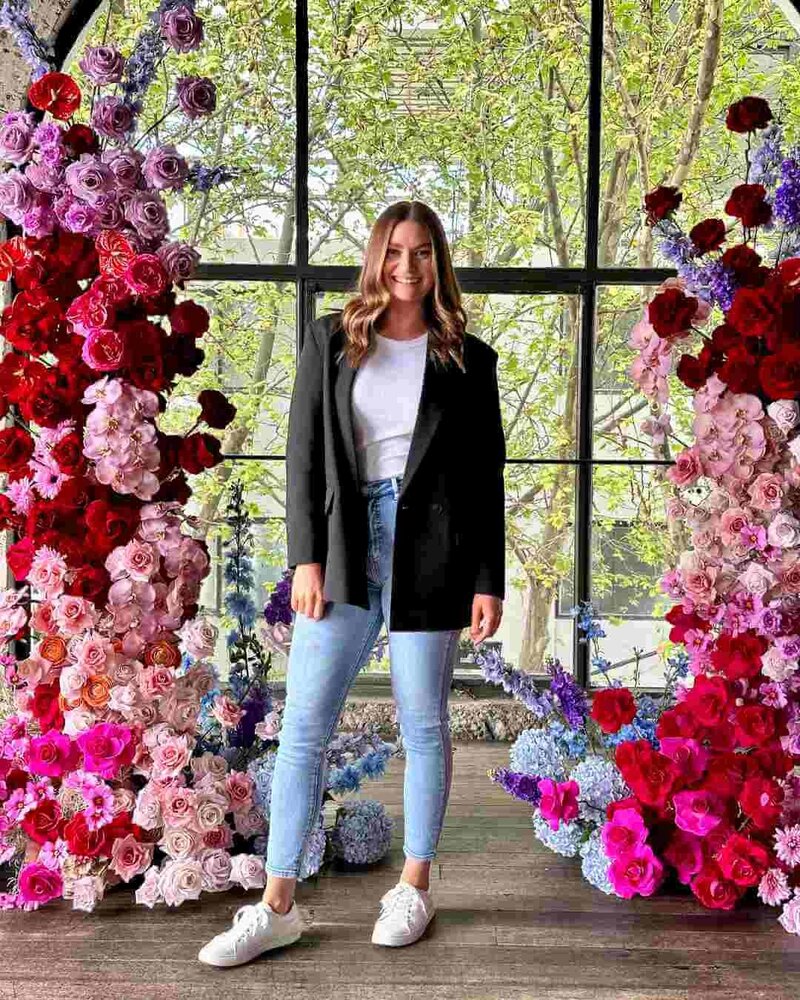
(487,610)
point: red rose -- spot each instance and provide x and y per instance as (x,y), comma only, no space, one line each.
(57,93)
(755,725)
(16,448)
(41,823)
(748,114)
(671,312)
(13,254)
(682,621)
(189,317)
(110,526)
(788,271)
(739,656)
(761,800)
(650,775)
(631,802)
(746,202)
(713,890)
(145,275)
(743,860)
(81,841)
(678,721)
(81,139)
(709,699)
(34,322)
(198,452)
(216,410)
(660,202)
(726,774)
(45,706)
(613,708)
(68,452)
(19,557)
(742,260)
(756,312)
(91,582)
(724,338)
(691,371)
(184,357)
(738,371)
(708,235)
(779,374)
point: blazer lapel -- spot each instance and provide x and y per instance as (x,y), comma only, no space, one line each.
(433,398)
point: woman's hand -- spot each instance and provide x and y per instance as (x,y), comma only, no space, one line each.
(307,586)
(487,610)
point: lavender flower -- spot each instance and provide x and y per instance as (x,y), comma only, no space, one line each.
(103,64)
(165,168)
(48,134)
(182,28)
(15,18)
(126,165)
(516,682)
(571,697)
(16,195)
(719,284)
(113,118)
(180,261)
(363,831)
(313,852)
(147,213)
(39,221)
(196,96)
(786,206)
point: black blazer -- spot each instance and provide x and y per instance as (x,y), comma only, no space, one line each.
(450,529)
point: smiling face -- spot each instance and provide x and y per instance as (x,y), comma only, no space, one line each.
(408,266)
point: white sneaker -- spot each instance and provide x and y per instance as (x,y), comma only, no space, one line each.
(405,913)
(256,928)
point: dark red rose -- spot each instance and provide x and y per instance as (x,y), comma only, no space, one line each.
(91,582)
(68,452)
(747,202)
(184,357)
(146,276)
(42,823)
(189,317)
(671,312)
(743,860)
(198,452)
(613,708)
(691,371)
(16,448)
(681,621)
(771,760)
(739,370)
(57,93)
(81,841)
(755,725)
(45,706)
(779,374)
(709,699)
(175,488)
(741,259)
(81,139)
(110,525)
(748,114)
(761,800)
(708,235)
(740,655)
(713,890)
(34,322)
(756,312)
(650,775)
(660,202)
(216,409)
(724,337)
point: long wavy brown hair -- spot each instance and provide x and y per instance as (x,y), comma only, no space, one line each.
(444,312)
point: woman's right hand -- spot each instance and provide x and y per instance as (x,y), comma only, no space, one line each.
(307,586)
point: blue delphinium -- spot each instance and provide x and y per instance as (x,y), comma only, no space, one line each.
(537,751)
(600,783)
(595,862)
(565,840)
(363,831)
(643,726)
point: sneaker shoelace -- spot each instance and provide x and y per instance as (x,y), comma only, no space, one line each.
(400,897)
(248,919)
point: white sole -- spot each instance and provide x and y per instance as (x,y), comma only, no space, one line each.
(227,963)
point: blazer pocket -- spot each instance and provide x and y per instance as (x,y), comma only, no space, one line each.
(330,493)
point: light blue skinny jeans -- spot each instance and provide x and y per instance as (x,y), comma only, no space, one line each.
(324,658)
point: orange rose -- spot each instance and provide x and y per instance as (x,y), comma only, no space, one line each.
(94,693)
(162,654)
(53,649)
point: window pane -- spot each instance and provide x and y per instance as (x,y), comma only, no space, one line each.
(249,53)
(620,408)
(480,111)
(660,65)
(536,337)
(632,546)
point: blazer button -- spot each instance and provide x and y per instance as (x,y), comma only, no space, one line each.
(403,506)
(437,507)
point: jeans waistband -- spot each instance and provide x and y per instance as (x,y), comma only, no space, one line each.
(382,487)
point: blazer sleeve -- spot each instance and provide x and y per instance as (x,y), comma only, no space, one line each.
(490,484)
(306,529)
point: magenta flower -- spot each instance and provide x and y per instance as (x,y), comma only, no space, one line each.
(624,834)
(639,873)
(559,801)
(38,884)
(106,747)
(53,754)
(698,812)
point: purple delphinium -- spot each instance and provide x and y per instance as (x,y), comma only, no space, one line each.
(279,606)
(202,178)
(786,206)
(719,284)
(15,18)
(520,785)
(142,63)
(571,697)
(767,157)
(517,683)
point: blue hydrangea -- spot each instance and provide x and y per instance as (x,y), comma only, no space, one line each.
(595,863)
(363,831)
(538,751)
(261,770)
(565,840)
(313,851)
(571,742)
(600,783)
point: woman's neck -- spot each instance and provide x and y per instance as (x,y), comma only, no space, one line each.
(402,324)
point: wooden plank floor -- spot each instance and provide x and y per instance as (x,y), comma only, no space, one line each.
(514,921)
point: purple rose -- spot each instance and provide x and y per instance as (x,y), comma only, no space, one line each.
(147,213)
(126,165)
(44,177)
(39,221)
(182,28)
(81,218)
(110,214)
(16,139)
(89,178)
(113,118)
(164,167)
(179,260)
(197,96)
(16,196)
(103,64)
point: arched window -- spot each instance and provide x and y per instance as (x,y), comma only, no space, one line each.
(534,130)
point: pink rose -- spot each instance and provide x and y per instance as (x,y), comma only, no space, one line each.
(639,872)
(239,787)
(687,468)
(103,350)
(216,869)
(559,801)
(178,806)
(106,748)
(149,892)
(226,711)
(766,492)
(180,880)
(690,755)
(624,833)
(129,857)
(53,754)
(685,853)
(247,870)
(698,812)
(38,884)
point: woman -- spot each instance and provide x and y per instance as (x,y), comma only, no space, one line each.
(395,513)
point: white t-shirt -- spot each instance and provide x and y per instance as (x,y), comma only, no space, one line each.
(386,393)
